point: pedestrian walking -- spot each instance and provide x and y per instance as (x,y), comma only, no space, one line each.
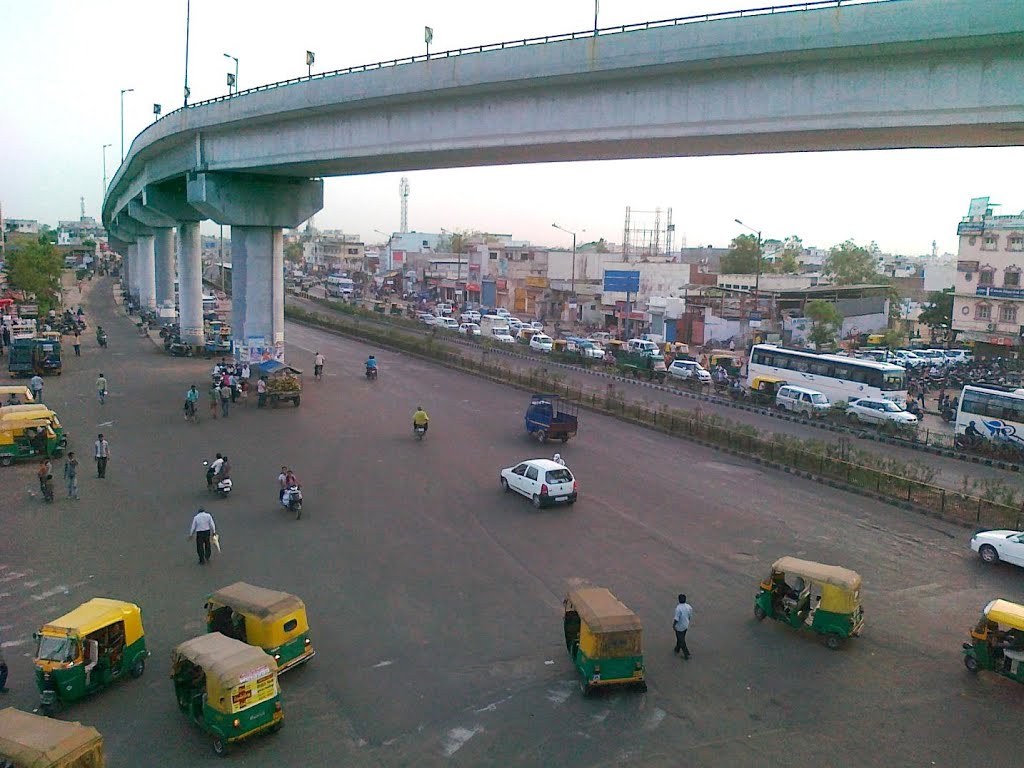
(102,454)
(6,333)
(318,366)
(680,624)
(101,388)
(77,343)
(261,392)
(3,669)
(45,468)
(71,475)
(225,397)
(233,384)
(214,399)
(203,528)
(36,385)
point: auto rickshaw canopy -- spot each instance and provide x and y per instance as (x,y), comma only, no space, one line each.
(14,427)
(228,664)
(95,614)
(31,741)
(608,628)
(1005,613)
(18,390)
(761,383)
(267,613)
(840,587)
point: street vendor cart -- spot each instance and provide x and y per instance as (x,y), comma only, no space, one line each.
(284,383)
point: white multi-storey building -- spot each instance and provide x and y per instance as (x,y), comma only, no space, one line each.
(988,306)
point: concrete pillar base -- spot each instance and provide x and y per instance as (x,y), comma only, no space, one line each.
(190,284)
(257,292)
(163,251)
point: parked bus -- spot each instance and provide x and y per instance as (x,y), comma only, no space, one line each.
(340,286)
(838,378)
(996,414)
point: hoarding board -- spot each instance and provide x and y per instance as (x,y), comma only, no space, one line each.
(622,281)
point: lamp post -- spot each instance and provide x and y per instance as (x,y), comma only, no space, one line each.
(390,238)
(235,82)
(573,281)
(123,92)
(105,167)
(757,274)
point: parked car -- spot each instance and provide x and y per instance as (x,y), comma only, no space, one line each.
(907,359)
(443,309)
(469,316)
(802,400)
(601,337)
(502,312)
(502,335)
(958,356)
(514,323)
(993,546)
(537,324)
(541,342)
(876,410)
(426,318)
(542,481)
(469,329)
(689,369)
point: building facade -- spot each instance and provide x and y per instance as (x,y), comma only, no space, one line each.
(988,304)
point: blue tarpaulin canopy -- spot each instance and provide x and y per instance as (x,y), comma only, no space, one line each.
(272,367)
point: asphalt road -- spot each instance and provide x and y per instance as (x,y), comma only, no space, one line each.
(946,472)
(434,599)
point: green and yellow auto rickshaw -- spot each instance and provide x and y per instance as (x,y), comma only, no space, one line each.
(87,650)
(227,687)
(31,741)
(763,389)
(271,620)
(604,639)
(997,641)
(27,439)
(809,595)
(18,413)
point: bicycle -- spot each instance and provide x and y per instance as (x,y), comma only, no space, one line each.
(191,412)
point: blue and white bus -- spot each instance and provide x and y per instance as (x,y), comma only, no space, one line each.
(340,286)
(837,377)
(997,414)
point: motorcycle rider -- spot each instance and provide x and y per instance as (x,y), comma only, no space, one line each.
(192,401)
(420,419)
(213,470)
(371,364)
(290,482)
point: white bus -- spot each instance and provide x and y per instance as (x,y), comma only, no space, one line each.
(340,286)
(998,414)
(838,378)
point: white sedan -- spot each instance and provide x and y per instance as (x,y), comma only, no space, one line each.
(993,546)
(542,481)
(876,410)
(469,329)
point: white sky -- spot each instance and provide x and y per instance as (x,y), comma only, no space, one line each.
(63,64)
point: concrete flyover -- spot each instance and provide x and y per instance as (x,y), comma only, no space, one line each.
(895,74)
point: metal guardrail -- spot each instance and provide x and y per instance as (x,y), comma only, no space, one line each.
(812,5)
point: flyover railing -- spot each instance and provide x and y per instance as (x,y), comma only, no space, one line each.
(545,39)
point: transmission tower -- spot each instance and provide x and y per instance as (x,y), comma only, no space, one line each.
(403,192)
(81,202)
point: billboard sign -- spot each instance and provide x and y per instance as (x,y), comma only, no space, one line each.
(622,280)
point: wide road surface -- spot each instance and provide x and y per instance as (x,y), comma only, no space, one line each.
(949,473)
(434,599)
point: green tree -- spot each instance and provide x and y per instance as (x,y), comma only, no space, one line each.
(849,264)
(35,268)
(825,322)
(602,246)
(937,314)
(293,253)
(742,256)
(893,338)
(47,235)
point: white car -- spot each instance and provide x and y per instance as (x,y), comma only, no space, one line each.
(689,369)
(470,316)
(542,481)
(448,323)
(426,318)
(514,323)
(908,359)
(502,312)
(993,546)
(502,335)
(537,324)
(541,342)
(876,410)
(469,329)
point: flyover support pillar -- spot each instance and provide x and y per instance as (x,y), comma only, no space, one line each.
(133,270)
(163,247)
(190,284)
(147,271)
(257,290)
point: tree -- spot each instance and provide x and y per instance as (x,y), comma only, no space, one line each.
(293,253)
(849,264)
(47,235)
(35,268)
(742,257)
(825,321)
(602,246)
(893,338)
(937,314)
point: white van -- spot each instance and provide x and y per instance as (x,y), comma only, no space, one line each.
(801,400)
(643,346)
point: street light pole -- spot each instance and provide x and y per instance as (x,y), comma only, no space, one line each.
(105,167)
(123,92)
(229,56)
(573,281)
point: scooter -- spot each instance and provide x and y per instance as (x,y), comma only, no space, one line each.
(292,500)
(419,430)
(101,339)
(371,372)
(221,487)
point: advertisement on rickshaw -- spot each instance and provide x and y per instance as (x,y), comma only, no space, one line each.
(253,687)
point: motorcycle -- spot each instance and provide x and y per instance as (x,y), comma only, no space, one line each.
(221,487)
(371,372)
(419,430)
(101,339)
(292,500)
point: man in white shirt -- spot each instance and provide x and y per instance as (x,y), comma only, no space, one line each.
(681,623)
(318,366)
(36,385)
(102,453)
(203,528)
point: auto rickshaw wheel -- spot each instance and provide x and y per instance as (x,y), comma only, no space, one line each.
(586,688)
(834,642)
(6,461)
(138,667)
(220,746)
(971,663)
(759,613)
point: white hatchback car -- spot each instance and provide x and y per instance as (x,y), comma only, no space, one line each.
(689,369)
(542,481)
(447,323)
(541,342)
(993,546)
(502,335)
(469,329)
(876,410)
